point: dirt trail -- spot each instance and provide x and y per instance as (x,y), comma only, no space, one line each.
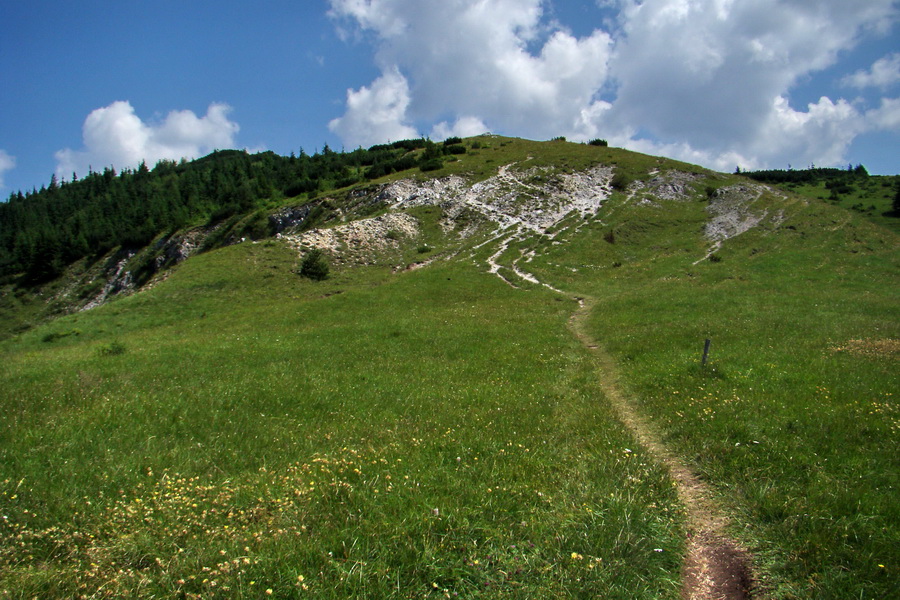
(716,568)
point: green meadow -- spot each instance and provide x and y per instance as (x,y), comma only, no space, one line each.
(238,431)
(795,419)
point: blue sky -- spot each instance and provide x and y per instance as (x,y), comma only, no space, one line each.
(756,83)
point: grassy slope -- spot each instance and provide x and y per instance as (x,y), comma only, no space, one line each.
(872,197)
(794,421)
(271,391)
(237,427)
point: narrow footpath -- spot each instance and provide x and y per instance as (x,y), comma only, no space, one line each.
(716,568)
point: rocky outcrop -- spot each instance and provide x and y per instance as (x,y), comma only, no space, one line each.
(288,218)
(730,212)
(357,241)
(118,279)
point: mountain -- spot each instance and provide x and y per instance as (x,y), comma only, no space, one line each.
(519,369)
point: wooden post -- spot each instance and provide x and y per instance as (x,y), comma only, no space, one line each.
(706,351)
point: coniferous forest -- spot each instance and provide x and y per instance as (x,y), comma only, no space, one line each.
(43,231)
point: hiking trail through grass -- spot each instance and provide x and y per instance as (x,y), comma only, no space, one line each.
(716,567)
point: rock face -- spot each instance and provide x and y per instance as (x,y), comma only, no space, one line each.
(288,218)
(358,240)
(730,213)
(673,185)
(532,198)
(169,251)
(177,248)
(118,279)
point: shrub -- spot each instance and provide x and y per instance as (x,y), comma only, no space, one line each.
(314,265)
(58,335)
(598,142)
(452,140)
(432,164)
(620,181)
(111,349)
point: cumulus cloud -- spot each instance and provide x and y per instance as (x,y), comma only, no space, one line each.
(884,73)
(715,73)
(463,127)
(885,117)
(703,80)
(376,113)
(495,62)
(115,135)
(7,163)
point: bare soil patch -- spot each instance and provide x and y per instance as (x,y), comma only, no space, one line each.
(870,348)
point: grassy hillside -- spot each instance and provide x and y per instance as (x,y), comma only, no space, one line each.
(236,430)
(795,418)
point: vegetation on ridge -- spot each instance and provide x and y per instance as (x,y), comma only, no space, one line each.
(235,430)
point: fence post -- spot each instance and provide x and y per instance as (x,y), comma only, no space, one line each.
(706,351)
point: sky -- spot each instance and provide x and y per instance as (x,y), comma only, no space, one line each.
(721,83)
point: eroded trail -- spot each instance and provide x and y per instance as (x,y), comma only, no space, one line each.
(715,568)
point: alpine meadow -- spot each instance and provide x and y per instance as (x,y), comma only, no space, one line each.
(483,368)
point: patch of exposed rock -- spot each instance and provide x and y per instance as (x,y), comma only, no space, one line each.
(730,212)
(672,185)
(288,218)
(166,252)
(358,241)
(118,280)
(508,199)
(178,248)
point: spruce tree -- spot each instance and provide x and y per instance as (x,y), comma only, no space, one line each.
(314,266)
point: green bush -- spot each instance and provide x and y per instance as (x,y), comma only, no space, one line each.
(111,349)
(432,164)
(314,265)
(620,181)
(58,335)
(598,142)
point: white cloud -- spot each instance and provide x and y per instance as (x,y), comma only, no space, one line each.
(463,127)
(7,163)
(115,135)
(472,60)
(708,72)
(376,113)
(884,73)
(703,80)
(887,116)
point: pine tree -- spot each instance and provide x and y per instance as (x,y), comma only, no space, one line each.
(314,266)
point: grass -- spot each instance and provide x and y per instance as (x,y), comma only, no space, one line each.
(871,197)
(239,431)
(258,432)
(795,419)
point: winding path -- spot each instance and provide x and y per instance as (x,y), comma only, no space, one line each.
(716,568)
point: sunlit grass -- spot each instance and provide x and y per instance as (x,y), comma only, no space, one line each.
(239,431)
(795,418)
(375,435)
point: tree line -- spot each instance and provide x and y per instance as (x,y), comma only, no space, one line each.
(812,175)
(43,231)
